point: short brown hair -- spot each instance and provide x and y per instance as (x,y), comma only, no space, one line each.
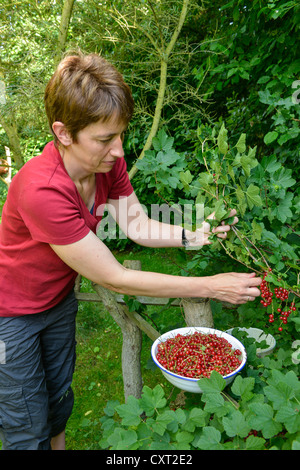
(86,89)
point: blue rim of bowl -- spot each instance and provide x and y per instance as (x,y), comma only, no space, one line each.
(190,379)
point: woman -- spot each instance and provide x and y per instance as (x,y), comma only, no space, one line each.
(48,235)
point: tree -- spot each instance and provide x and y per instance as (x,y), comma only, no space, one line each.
(164,52)
(28,36)
(63,29)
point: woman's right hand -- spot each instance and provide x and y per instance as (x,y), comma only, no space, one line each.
(235,288)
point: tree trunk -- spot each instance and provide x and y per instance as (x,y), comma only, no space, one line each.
(132,343)
(132,339)
(5,165)
(63,30)
(14,141)
(198,312)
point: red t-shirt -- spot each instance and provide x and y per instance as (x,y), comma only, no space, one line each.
(44,207)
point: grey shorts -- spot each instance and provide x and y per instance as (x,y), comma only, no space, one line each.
(37,360)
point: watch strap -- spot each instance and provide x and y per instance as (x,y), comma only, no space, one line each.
(184,240)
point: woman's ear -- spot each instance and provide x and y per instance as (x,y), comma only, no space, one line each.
(61,133)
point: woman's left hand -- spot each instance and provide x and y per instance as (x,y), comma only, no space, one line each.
(201,236)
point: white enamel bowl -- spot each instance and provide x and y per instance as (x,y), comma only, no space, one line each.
(186,383)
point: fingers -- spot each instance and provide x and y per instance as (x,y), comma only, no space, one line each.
(252,291)
(232,213)
(224,228)
(238,288)
(211,216)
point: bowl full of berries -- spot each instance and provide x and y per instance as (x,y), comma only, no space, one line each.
(185,355)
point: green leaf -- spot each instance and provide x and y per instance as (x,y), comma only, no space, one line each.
(284,178)
(270,137)
(270,164)
(144,435)
(152,399)
(289,378)
(130,412)
(282,388)
(248,163)
(162,141)
(289,416)
(161,442)
(214,384)
(122,439)
(236,425)
(196,418)
(231,172)
(232,71)
(255,443)
(219,210)
(166,159)
(209,439)
(263,420)
(211,388)
(205,179)
(296,444)
(222,140)
(282,211)
(263,79)
(180,416)
(184,438)
(241,144)
(257,230)
(253,197)
(242,205)
(186,178)
(163,420)
(173,182)
(270,238)
(215,403)
(243,387)
(110,408)
(252,152)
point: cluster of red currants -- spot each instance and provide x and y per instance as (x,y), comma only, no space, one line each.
(282,295)
(197,355)
(266,293)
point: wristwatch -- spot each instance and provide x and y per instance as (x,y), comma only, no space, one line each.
(184,240)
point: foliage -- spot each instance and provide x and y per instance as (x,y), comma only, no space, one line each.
(253,72)
(223,176)
(234,72)
(265,415)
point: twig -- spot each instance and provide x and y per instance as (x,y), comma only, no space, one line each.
(235,259)
(205,163)
(235,230)
(256,250)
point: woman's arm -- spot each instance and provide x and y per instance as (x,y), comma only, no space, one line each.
(135,223)
(93,260)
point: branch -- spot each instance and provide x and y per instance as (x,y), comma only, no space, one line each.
(63,29)
(164,57)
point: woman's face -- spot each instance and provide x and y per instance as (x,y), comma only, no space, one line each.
(98,146)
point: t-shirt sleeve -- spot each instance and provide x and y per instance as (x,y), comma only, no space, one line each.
(121,185)
(51,216)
